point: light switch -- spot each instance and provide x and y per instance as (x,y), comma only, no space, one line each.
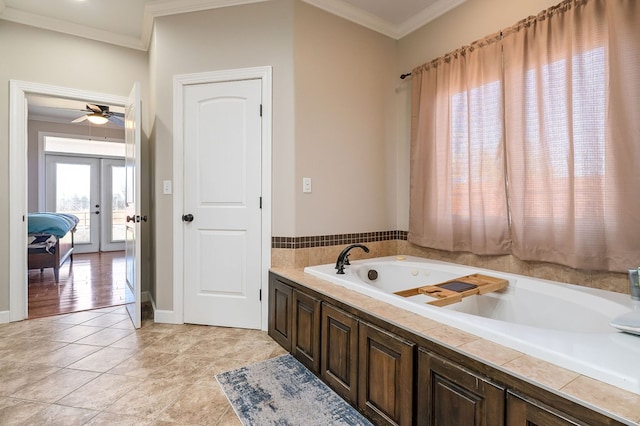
(306,185)
(166,187)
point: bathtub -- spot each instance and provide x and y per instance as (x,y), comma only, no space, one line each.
(564,324)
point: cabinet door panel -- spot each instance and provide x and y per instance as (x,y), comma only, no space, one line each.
(280,311)
(385,385)
(523,413)
(449,395)
(339,365)
(306,330)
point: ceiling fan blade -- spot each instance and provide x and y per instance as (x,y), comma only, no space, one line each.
(116,120)
(80,119)
(94,108)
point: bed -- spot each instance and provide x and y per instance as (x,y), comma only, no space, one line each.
(50,240)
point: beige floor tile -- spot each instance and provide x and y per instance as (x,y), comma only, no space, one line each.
(115,419)
(137,340)
(74,333)
(56,415)
(105,337)
(30,350)
(16,411)
(201,404)
(229,418)
(15,376)
(67,355)
(79,317)
(125,324)
(149,398)
(143,364)
(101,392)
(175,343)
(106,320)
(55,386)
(33,329)
(103,360)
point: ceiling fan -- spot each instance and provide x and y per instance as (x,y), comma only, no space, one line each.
(100,114)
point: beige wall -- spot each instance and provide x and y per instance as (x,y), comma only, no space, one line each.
(35,127)
(344,126)
(227,38)
(40,56)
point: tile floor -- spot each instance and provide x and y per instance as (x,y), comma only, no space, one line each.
(94,368)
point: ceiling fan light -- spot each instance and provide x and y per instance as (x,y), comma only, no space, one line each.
(97,118)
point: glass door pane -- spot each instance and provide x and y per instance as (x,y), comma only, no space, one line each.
(118,204)
(73,195)
(114,198)
(73,186)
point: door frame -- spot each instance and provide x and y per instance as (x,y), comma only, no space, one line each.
(179,82)
(18,133)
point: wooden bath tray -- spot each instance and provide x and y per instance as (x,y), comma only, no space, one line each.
(454,291)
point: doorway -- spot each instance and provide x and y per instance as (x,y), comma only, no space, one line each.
(18,290)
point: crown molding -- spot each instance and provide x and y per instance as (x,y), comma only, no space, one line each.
(355,14)
(65,27)
(427,15)
(157,8)
(368,20)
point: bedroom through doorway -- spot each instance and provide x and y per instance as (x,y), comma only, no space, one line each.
(76,169)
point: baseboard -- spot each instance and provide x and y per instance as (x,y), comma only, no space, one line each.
(162,316)
(4,317)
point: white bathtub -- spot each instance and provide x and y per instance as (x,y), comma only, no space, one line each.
(565,324)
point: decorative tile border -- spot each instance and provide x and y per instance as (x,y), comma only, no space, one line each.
(337,239)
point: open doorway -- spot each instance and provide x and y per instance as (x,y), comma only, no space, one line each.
(76,169)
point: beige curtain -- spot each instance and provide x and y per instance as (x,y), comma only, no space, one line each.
(457,192)
(572,120)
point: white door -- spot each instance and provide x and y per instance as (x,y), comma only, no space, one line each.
(222,215)
(73,186)
(113,197)
(132,205)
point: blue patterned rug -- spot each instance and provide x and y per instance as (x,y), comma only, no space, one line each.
(281,391)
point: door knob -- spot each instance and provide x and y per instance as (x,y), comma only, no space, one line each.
(144,218)
(187,217)
(131,219)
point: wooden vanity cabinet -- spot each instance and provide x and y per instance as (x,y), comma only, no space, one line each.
(385,379)
(280,309)
(339,359)
(521,412)
(305,332)
(449,395)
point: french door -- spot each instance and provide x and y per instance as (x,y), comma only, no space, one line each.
(93,190)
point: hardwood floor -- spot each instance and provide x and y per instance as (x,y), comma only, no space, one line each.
(92,280)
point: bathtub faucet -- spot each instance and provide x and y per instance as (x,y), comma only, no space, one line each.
(343,258)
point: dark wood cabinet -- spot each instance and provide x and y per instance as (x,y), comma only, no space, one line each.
(305,342)
(385,376)
(449,395)
(280,308)
(339,360)
(527,413)
(368,362)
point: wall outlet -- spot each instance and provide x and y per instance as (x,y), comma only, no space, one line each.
(306,185)
(166,187)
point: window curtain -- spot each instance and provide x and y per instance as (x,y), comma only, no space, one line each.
(572,125)
(457,188)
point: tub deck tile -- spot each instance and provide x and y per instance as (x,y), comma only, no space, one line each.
(599,394)
(541,371)
(491,352)
(451,336)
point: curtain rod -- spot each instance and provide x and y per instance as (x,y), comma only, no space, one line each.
(403,76)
